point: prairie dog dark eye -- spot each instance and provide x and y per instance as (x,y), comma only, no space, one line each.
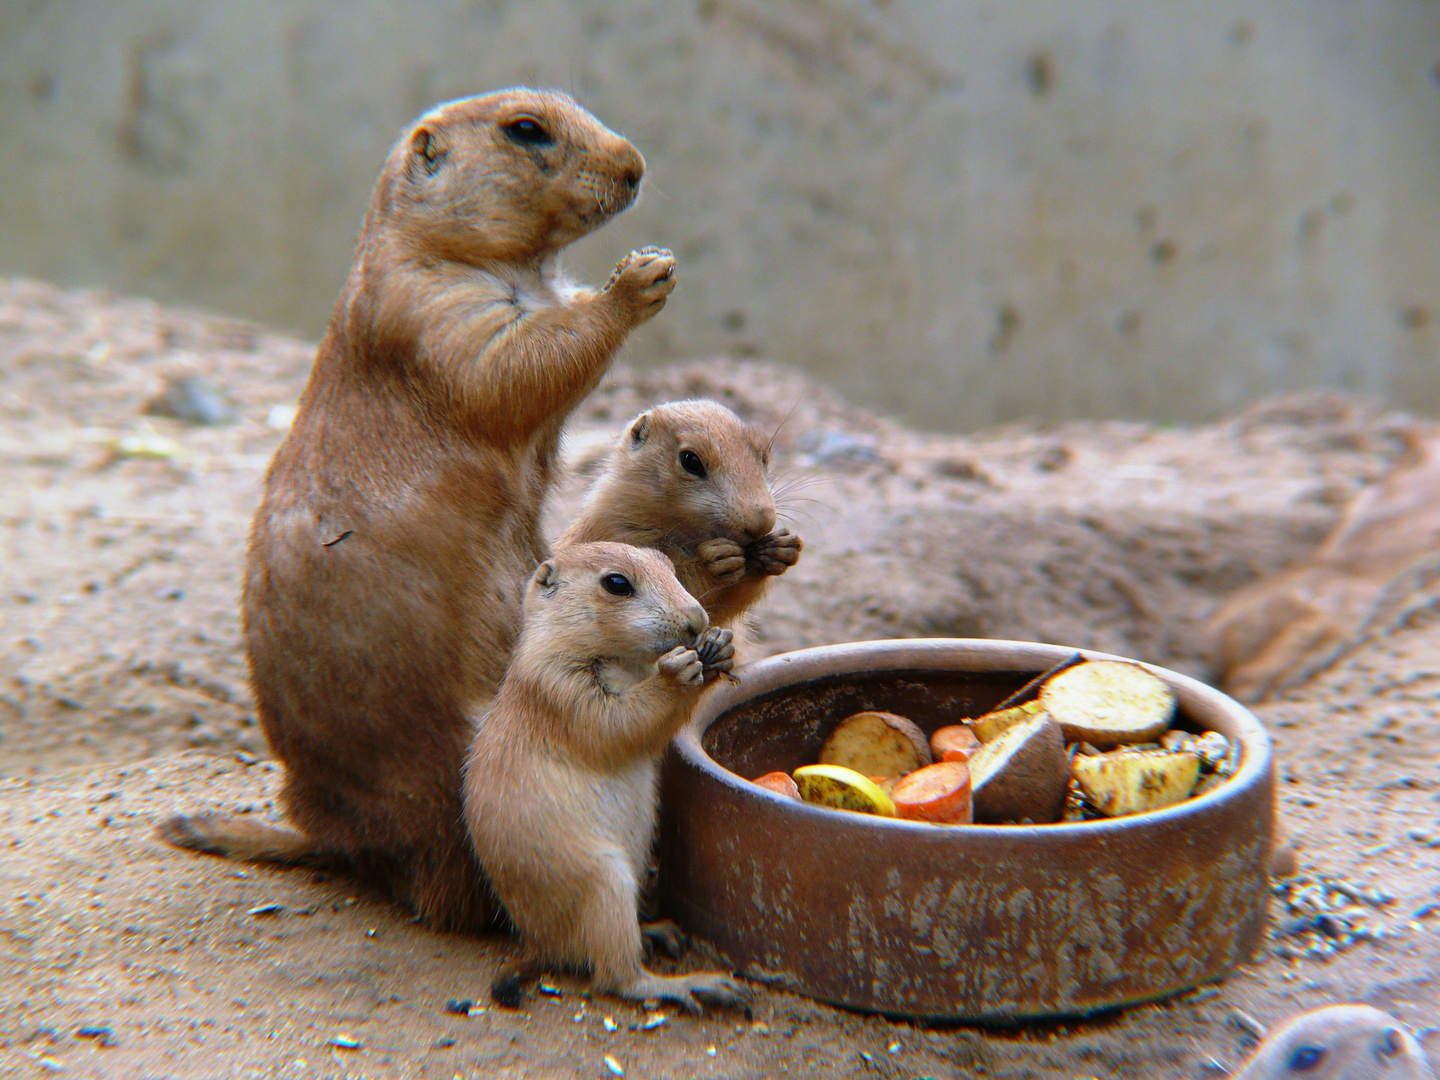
(527,131)
(1306,1058)
(617,585)
(691,463)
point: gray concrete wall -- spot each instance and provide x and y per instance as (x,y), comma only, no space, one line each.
(960,212)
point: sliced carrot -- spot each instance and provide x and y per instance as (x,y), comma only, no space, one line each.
(958,742)
(938,793)
(779,782)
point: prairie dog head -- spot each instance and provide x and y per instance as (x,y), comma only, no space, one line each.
(610,607)
(688,471)
(511,176)
(1338,1042)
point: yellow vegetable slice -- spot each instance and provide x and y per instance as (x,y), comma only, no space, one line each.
(1126,782)
(842,789)
(875,743)
(1108,703)
(992,725)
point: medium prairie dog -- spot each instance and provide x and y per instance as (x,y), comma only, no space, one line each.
(689,478)
(560,786)
(1338,1042)
(401,516)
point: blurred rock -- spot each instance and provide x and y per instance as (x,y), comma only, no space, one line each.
(192,400)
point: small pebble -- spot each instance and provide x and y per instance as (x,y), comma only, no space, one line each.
(653,1021)
(1284,861)
(266,909)
(614,1066)
(194,401)
(610,1024)
(280,417)
(1247,1023)
(836,447)
(459,1006)
(345,1042)
(145,445)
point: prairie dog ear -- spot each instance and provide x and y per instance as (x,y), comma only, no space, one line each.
(640,431)
(429,154)
(546,576)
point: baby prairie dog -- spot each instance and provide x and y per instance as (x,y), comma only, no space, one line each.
(689,478)
(401,515)
(560,786)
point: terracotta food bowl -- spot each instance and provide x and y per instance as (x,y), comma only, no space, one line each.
(980,922)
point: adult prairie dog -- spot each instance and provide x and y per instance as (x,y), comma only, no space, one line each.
(689,478)
(401,516)
(1338,1042)
(560,786)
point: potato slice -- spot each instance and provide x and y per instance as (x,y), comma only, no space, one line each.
(938,793)
(1109,703)
(840,788)
(957,742)
(779,782)
(992,725)
(1126,782)
(877,744)
(1022,775)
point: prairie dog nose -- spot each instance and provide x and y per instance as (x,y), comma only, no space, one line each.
(758,522)
(696,620)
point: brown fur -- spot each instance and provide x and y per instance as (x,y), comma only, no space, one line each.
(716,528)
(560,790)
(401,516)
(1279,631)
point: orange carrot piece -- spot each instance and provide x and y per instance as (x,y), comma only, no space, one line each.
(937,793)
(958,742)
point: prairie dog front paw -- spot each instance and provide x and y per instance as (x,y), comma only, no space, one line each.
(774,554)
(723,559)
(683,664)
(642,282)
(716,649)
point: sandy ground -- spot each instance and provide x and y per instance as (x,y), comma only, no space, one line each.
(123,698)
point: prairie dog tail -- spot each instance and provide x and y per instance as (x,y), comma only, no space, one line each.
(243,838)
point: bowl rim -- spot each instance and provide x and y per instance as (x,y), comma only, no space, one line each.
(782,670)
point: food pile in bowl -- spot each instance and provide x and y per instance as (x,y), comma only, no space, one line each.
(1085,740)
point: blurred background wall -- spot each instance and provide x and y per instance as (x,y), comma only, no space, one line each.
(959,212)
